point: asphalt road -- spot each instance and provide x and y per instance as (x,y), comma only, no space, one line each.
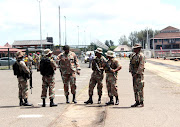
(36,116)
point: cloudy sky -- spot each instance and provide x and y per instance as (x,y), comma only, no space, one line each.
(97,19)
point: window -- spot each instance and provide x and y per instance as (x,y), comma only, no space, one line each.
(176,46)
(122,49)
(167,46)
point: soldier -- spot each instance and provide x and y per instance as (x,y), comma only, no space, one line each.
(69,66)
(22,72)
(47,68)
(111,69)
(38,59)
(30,59)
(136,68)
(96,76)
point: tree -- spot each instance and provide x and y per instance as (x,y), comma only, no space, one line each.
(111,43)
(123,40)
(133,37)
(107,43)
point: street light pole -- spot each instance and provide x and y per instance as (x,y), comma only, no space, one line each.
(59,29)
(78,35)
(40,22)
(65,29)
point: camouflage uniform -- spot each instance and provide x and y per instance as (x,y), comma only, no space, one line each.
(96,76)
(22,82)
(48,81)
(68,67)
(29,63)
(137,67)
(111,78)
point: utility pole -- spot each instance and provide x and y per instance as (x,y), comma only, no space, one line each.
(78,35)
(147,40)
(40,22)
(59,29)
(65,29)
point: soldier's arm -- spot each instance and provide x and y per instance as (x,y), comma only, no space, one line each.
(118,66)
(53,64)
(24,67)
(76,62)
(141,65)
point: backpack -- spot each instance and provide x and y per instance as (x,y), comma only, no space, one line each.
(45,67)
(16,69)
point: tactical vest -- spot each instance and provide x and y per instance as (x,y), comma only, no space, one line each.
(45,67)
(18,71)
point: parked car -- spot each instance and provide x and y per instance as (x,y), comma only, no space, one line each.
(86,58)
(4,61)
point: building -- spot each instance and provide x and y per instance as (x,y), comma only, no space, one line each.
(167,42)
(33,45)
(123,50)
(7,50)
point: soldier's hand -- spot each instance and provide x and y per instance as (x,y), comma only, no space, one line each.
(78,72)
(135,75)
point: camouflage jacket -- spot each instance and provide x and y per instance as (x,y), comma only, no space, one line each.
(98,62)
(113,63)
(136,65)
(68,63)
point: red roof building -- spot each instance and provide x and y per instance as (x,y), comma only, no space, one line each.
(168,38)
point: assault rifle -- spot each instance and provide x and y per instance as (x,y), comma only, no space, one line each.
(108,67)
(30,81)
(97,67)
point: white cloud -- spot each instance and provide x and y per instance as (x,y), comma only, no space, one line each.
(100,19)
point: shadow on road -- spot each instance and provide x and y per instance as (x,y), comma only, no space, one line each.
(121,107)
(8,106)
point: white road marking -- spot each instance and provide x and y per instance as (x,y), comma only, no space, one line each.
(42,103)
(30,116)
(60,89)
(85,76)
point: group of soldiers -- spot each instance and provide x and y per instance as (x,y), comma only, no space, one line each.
(69,66)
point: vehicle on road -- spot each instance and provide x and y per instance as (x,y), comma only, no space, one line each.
(4,61)
(86,58)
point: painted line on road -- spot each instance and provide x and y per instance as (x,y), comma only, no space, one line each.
(42,103)
(30,116)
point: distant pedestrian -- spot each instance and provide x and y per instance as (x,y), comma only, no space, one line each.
(47,68)
(22,72)
(96,76)
(69,66)
(90,59)
(136,68)
(111,69)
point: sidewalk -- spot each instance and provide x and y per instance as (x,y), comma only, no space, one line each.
(167,69)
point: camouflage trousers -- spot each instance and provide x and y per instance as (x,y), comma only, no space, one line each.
(48,82)
(69,78)
(23,88)
(138,84)
(111,84)
(96,79)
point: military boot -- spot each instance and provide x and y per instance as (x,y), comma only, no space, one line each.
(52,103)
(44,103)
(117,101)
(89,101)
(67,99)
(20,102)
(99,100)
(111,102)
(136,104)
(26,103)
(141,104)
(74,98)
